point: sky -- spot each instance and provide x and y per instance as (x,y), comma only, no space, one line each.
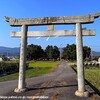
(48,8)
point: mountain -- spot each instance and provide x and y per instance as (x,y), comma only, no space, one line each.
(94,53)
(7,51)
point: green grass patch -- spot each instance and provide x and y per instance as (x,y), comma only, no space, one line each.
(43,64)
(37,72)
(35,69)
(93,76)
(9,77)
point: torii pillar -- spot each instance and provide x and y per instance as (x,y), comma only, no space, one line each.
(22,63)
(80,63)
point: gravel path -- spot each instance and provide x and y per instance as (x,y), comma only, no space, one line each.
(59,85)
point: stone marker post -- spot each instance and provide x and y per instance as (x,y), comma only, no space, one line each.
(23,54)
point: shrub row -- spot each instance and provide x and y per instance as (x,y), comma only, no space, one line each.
(8,68)
(92,66)
(86,65)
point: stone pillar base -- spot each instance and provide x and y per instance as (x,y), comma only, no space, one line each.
(17,90)
(82,94)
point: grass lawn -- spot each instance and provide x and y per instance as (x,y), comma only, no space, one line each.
(43,64)
(35,69)
(93,76)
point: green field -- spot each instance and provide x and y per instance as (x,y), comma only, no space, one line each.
(42,64)
(93,76)
(35,69)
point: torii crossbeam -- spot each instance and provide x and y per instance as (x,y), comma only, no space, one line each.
(85,32)
(52,20)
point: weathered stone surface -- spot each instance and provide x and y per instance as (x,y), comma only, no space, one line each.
(54,33)
(80,62)
(22,64)
(52,20)
(50,27)
(82,94)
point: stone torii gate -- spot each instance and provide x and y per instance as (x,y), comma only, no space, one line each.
(51,21)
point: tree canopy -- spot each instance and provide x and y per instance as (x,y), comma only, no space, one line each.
(52,52)
(69,52)
(35,52)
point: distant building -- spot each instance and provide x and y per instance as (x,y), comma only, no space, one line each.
(1,59)
(12,58)
(99,60)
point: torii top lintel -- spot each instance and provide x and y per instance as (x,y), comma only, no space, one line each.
(52,20)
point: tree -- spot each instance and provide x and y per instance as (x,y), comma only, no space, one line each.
(49,52)
(52,52)
(69,52)
(34,52)
(4,58)
(56,52)
(86,52)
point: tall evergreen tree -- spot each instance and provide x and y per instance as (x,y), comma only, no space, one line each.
(34,52)
(52,52)
(56,53)
(49,52)
(69,52)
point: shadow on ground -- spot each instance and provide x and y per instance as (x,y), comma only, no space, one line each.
(53,87)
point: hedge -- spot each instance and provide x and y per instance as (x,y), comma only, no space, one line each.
(8,68)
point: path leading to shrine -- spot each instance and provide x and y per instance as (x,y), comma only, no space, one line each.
(59,85)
